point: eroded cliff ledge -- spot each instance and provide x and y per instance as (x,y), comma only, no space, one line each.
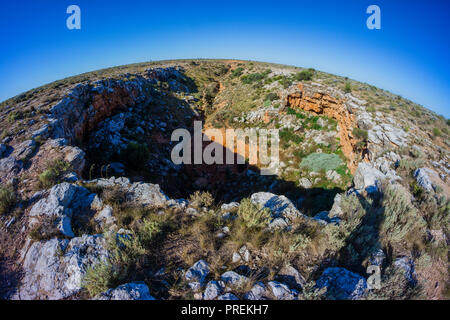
(311,99)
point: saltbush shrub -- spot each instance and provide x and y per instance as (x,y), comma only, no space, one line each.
(253,216)
(321,161)
(7,198)
(54,173)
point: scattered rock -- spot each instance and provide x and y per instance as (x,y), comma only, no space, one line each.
(128,291)
(342,284)
(407,265)
(281,291)
(258,292)
(9,168)
(233,279)
(198,272)
(305,183)
(227,296)
(290,276)
(213,290)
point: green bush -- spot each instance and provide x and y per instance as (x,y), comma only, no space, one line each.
(437,132)
(285,82)
(305,75)
(8,198)
(201,199)
(237,72)
(321,161)
(272,96)
(99,278)
(289,135)
(53,175)
(348,87)
(360,134)
(402,225)
(253,77)
(253,216)
(136,154)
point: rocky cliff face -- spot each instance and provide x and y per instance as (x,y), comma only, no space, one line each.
(319,102)
(98,210)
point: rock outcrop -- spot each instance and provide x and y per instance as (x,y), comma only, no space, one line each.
(318,102)
(54,269)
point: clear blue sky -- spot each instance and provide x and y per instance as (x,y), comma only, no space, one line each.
(408,56)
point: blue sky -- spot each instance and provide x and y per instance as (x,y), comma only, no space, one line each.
(408,56)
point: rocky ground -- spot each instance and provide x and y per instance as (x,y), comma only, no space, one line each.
(92,207)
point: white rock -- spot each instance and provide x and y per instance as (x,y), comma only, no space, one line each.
(128,291)
(198,272)
(280,291)
(213,290)
(54,269)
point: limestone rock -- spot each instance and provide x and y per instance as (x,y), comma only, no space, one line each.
(198,272)
(63,201)
(54,269)
(281,291)
(227,296)
(258,292)
(233,279)
(367,177)
(423,178)
(342,284)
(280,206)
(213,290)
(128,291)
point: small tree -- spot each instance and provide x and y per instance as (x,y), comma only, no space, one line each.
(348,87)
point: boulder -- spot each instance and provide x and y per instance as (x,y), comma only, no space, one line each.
(227,296)
(342,284)
(75,156)
(290,276)
(281,291)
(54,269)
(213,290)
(105,217)
(144,194)
(230,207)
(198,272)
(280,206)
(367,178)
(324,217)
(9,168)
(128,291)
(423,178)
(305,183)
(407,265)
(24,150)
(336,210)
(233,279)
(258,292)
(63,201)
